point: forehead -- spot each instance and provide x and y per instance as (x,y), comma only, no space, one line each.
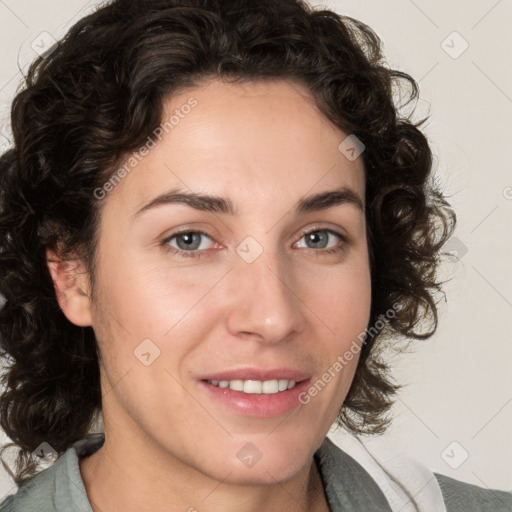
(259,140)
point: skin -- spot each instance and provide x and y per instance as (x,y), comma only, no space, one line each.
(169,446)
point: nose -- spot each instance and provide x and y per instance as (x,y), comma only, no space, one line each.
(265,302)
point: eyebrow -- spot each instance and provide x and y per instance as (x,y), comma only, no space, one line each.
(218,204)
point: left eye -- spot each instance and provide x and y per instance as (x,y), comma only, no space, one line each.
(319,238)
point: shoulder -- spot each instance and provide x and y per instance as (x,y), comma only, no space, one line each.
(57,488)
(463,497)
(35,493)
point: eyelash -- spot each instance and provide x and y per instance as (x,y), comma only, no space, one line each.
(201,253)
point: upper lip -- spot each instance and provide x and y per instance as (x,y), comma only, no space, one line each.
(258,374)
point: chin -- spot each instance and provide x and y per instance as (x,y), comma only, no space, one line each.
(263,474)
(269,465)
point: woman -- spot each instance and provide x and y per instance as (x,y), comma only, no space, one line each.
(212,219)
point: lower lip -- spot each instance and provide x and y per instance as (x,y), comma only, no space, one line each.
(260,405)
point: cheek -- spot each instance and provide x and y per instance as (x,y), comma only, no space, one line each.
(342,308)
(146,332)
(156,310)
(340,298)
(150,299)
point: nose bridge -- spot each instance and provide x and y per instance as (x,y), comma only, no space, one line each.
(265,303)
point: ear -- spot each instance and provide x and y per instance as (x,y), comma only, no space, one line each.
(72,287)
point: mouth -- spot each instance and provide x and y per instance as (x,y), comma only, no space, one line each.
(265,395)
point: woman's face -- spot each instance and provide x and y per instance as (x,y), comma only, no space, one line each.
(271,291)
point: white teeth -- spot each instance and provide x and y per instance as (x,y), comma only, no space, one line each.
(270,386)
(258,387)
(282,385)
(252,386)
(237,385)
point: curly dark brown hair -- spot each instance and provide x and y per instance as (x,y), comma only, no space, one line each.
(100,94)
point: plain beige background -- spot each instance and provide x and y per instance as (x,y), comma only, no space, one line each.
(455,413)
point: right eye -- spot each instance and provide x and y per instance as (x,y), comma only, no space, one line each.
(189,243)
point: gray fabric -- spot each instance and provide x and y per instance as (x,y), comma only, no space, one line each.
(349,488)
(348,485)
(460,496)
(59,488)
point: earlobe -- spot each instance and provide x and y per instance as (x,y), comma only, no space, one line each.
(71,282)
